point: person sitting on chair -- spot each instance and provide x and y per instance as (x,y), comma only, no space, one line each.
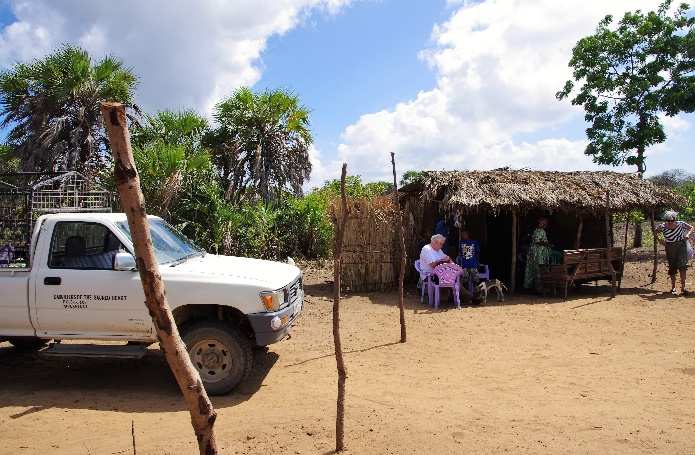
(432,255)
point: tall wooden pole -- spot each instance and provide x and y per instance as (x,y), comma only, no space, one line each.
(627,225)
(401,238)
(622,259)
(133,204)
(339,362)
(655,247)
(515,223)
(609,247)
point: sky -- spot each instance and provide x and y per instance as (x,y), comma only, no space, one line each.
(444,84)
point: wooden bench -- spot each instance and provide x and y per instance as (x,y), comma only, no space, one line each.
(581,266)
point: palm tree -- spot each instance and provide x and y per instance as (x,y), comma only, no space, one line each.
(164,171)
(262,144)
(169,155)
(51,107)
(184,128)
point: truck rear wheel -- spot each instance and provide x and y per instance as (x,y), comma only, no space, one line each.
(222,355)
(27,344)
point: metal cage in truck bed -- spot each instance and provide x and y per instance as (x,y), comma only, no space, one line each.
(24,196)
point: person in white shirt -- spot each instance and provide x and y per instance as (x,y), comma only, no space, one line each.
(432,255)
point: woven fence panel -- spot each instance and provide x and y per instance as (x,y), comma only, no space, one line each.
(370,250)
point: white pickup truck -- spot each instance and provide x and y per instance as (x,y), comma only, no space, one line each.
(81,283)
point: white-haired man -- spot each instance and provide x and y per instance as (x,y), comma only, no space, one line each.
(675,236)
(432,255)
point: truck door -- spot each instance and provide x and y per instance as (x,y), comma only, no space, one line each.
(79,293)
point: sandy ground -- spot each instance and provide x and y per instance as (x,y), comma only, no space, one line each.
(533,375)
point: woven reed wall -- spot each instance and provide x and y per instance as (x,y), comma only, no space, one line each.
(370,250)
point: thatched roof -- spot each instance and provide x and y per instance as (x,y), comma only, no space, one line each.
(525,189)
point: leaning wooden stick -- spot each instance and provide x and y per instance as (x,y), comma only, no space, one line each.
(401,238)
(340,222)
(133,204)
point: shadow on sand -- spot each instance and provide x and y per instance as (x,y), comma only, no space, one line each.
(144,385)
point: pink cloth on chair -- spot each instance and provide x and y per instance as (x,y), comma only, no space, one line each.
(447,273)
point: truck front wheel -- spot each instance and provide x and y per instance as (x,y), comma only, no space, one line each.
(222,355)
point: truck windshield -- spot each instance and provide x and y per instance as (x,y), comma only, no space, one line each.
(169,244)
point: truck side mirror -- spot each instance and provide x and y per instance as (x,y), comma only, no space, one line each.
(124,261)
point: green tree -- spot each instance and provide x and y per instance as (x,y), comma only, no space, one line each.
(673,178)
(265,138)
(629,75)
(8,162)
(51,108)
(170,157)
(410,177)
(184,128)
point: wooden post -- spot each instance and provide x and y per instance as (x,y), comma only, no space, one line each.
(133,204)
(627,225)
(580,228)
(655,247)
(515,222)
(401,237)
(609,247)
(339,362)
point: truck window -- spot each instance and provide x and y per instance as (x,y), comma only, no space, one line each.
(84,246)
(169,244)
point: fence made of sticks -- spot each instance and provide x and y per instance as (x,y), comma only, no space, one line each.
(370,247)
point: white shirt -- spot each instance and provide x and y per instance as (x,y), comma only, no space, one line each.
(429,255)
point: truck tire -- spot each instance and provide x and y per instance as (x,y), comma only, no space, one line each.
(222,355)
(27,344)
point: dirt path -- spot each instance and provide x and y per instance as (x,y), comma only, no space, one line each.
(588,375)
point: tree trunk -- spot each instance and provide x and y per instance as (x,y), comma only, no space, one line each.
(637,242)
(133,204)
(401,239)
(339,362)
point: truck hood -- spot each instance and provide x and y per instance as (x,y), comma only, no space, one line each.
(270,274)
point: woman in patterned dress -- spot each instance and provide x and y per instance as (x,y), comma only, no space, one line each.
(538,253)
(675,236)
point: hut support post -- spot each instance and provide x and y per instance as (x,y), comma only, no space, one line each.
(609,246)
(202,413)
(512,281)
(655,247)
(627,225)
(401,240)
(580,228)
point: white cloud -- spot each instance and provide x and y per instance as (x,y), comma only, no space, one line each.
(186,53)
(499,64)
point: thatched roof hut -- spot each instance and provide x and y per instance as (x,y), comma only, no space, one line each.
(500,208)
(505,189)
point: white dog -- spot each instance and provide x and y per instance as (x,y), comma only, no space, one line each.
(484,287)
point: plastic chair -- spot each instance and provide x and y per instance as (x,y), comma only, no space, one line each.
(423,282)
(436,282)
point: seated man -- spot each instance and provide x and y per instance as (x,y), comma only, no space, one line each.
(432,255)
(469,252)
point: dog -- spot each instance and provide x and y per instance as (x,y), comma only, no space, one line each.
(484,288)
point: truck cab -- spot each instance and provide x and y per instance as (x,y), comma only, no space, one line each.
(83,284)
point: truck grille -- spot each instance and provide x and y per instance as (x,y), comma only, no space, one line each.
(293,290)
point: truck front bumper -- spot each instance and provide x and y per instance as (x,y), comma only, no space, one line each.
(262,323)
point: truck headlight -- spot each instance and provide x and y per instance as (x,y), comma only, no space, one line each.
(272,299)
